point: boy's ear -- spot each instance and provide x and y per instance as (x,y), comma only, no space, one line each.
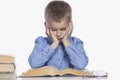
(46,27)
(71,20)
(45,24)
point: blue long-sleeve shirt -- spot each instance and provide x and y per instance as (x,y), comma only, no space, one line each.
(73,56)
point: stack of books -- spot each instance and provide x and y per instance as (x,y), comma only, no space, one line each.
(7,67)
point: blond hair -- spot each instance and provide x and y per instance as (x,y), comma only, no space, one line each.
(57,10)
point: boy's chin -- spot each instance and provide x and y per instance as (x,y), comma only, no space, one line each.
(60,40)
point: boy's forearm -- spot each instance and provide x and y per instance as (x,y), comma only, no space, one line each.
(54,45)
(77,57)
(39,57)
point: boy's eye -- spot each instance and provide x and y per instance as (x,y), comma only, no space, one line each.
(63,29)
(54,29)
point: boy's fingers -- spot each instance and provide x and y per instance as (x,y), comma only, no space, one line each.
(70,28)
(51,33)
(47,31)
(71,24)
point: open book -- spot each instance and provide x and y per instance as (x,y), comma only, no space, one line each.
(52,71)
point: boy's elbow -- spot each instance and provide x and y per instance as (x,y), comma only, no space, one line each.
(35,63)
(82,65)
(32,63)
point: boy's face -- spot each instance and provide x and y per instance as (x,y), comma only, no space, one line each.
(58,28)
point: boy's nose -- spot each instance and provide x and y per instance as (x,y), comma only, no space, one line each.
(58,33)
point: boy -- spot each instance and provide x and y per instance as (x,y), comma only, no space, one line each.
(59,49)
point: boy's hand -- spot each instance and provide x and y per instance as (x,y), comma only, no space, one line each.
(47,31)
(52,36)
(55,41)
(66,39)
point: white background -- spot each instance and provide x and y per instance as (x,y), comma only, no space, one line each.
(96,22)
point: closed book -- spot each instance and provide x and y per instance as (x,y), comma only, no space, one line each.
(7,76)
(6,59)
(9,67)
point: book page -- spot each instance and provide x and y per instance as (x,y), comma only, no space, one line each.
(7,68)
(75,72)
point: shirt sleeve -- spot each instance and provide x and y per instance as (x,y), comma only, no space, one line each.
(77,54)
(40,54)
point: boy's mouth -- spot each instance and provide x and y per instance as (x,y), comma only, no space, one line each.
(60,39)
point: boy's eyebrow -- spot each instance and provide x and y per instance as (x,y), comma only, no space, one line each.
(56,28)
(63,27)
(60,28)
